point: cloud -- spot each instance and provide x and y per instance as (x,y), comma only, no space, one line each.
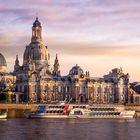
(96,49)
(74,14)
(100,28)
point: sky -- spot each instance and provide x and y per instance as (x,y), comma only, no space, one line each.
(98,35)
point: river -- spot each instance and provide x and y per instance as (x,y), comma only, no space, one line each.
(72,129)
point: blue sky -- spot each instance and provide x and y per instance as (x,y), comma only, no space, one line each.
(96,34)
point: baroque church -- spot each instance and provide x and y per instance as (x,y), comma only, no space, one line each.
(36,81)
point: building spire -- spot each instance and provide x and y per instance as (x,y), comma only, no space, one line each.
(56,69)
(56,58)
(36,18)
(36,15)
(16,66)
(17,60)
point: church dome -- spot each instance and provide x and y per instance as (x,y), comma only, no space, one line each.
(35,52)
(2,60)
(3,64)
(76,70)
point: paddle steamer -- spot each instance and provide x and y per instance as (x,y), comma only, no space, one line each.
(80,111)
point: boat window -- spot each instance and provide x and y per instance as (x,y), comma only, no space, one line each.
(41,109)
(78,112)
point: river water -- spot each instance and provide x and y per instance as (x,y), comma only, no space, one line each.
(72,129)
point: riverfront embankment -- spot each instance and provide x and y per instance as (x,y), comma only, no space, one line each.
(17,110)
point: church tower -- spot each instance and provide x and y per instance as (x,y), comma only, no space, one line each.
(56,69)
(36,31)
(36,52)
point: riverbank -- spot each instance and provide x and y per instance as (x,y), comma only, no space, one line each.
(17,110)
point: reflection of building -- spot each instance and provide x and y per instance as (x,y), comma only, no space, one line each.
(39,83)
(7,80)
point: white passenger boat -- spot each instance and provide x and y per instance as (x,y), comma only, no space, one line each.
(49,111)
(102,112)
(79,111)
(3,115)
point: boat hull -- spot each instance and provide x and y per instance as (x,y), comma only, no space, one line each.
(38,116)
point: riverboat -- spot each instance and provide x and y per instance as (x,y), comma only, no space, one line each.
(3,115)
(74,111)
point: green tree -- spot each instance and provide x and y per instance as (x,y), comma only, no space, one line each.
(4,96)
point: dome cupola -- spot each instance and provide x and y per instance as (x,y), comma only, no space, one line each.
(36,52)
(2,60)
(3,64)
(76,70)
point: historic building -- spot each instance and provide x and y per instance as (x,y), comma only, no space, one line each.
(7,80)
(3,64)
(39,83)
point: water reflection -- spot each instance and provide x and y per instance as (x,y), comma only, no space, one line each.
(3,119)
(126,120)
(74,129)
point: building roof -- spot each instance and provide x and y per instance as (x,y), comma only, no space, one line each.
(76,70)
(37,23)
(2,60)
(2,84)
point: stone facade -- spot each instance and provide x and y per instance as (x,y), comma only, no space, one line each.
(7,80)
(39,83)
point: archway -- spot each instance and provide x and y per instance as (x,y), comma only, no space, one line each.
(82,98)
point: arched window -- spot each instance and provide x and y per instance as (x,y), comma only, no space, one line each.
(33,77)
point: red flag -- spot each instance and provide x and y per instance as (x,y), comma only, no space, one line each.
(65,109)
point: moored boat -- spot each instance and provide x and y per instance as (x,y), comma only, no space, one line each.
(79,111)
(3,115)
(49,111)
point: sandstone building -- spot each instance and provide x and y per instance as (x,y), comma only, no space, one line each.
(39,83)
(7,80)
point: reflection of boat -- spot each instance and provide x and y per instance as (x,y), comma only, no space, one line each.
(3,115)
(79,111)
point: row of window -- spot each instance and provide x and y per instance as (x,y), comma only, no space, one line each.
(68,89)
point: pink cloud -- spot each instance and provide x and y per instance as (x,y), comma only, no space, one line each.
(75,27)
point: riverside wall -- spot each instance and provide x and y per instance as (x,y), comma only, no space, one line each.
(17,110)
